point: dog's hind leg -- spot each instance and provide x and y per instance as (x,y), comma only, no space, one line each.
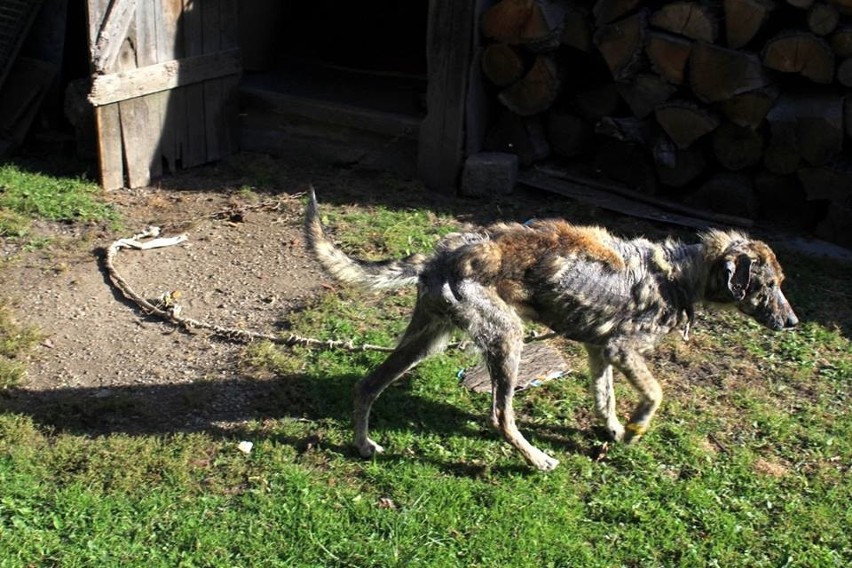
(503,367)
(634,368)
(498,332)
(603,392)
(426,334)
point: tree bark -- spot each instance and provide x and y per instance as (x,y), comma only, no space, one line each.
(577,30)
(668,55)
(645,93)
(802,53)
(685,122)
(503,21)
(744,19)
(621,45)
(737,147)
(536,91)
(607,11)
(524,137)
(569,134)
(718,74)
(749,109)
(844,73)
(676,167)
(822,19)
(841,41)
(689,19)
(502,64)
(597,102)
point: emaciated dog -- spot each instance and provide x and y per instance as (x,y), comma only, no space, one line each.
(616,296)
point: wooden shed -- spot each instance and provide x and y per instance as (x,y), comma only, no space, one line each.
(169,77)
(164,89)
(740,107)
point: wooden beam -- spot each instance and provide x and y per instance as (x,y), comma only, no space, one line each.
(133,83)
(442,134)
(111,34)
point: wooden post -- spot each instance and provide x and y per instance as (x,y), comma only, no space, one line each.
(442,135)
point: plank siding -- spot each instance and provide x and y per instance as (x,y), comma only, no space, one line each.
(195,148)
(166,73)
(442,134)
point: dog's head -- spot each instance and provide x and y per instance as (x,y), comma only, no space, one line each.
(745,273)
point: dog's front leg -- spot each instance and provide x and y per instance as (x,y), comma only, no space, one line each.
(631,363)
(603,392)
(503,368)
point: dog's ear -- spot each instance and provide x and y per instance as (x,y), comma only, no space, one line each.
(738,273)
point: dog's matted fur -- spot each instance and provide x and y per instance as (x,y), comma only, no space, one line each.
(618,297)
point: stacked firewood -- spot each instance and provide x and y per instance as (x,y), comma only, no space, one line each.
(738,105)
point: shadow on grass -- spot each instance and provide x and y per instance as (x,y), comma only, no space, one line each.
(243,408)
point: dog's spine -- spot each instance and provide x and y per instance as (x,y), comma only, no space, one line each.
(382,274)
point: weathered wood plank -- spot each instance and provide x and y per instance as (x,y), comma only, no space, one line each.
(169,47)
(142,135)
(107,121)
(195,149)
(170,30)
(109,146)
(177,126)
(229,38)
(231,114)
(125,85)
(195,142)
(135,120)
(214,124)
(442,134)
(113,30)
(619,198)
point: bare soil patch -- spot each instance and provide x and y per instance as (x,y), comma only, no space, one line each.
(104,365)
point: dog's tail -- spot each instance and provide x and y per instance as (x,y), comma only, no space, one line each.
(370,274)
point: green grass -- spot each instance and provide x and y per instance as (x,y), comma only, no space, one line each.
(380,231)
(15,341)
(748,463)
(25,195)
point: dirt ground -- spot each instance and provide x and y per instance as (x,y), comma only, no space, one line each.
(105,366)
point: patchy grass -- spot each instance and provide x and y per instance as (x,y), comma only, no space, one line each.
(25,195)
(380,231)
(15,341)
(748,463)
(13,224)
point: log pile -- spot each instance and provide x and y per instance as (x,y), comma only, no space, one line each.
(743,105)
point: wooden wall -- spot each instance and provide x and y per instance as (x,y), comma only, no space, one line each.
(166,75)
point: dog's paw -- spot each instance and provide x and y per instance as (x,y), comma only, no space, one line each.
(634,432)
(616,432)
(543,462)
(368,448)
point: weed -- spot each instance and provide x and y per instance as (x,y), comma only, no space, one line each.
(748,464)
(264,359)
(15,341)
(56,198)
(383,231)
(13,224)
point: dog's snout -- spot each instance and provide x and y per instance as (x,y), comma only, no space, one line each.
(791,321)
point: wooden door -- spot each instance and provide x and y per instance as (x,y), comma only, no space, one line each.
(164,87)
